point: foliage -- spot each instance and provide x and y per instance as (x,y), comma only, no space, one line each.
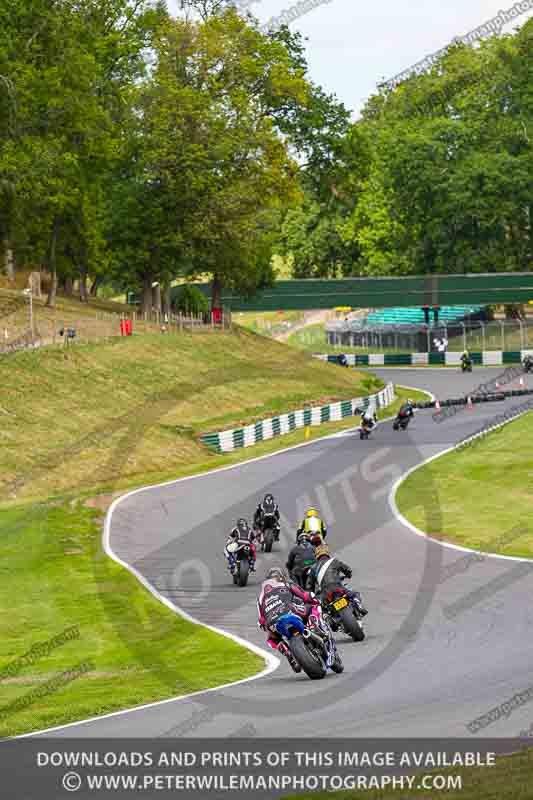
(190,300)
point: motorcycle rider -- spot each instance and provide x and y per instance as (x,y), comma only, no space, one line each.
(240,533)
(301,558)
(313,526)
(406,411)
(528,364)
(466,361)
(328,573)
(267,507)
(368,419)
(277,606)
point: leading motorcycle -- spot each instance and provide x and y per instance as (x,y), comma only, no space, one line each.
(268,532)
(343,608)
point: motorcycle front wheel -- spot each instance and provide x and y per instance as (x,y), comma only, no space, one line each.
(244,568)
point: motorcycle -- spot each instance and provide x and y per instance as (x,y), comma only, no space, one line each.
(366,429)
(313,648)
(343,608)
(269,532)
(528,364)
(401,423)
(304,580)
(242,551)
(466,366)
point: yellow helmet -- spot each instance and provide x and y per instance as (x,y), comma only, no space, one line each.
(321,550)
(312,512)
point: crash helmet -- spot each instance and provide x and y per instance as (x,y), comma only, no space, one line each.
(322,551)
(269,503)
(277,574)
(311,512)
(303,538)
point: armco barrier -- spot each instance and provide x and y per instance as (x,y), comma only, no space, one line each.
(488,358)
(225,441)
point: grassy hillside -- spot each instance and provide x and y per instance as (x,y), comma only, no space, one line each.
(106,413)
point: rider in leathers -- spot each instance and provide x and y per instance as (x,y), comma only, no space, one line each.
(267,506)
(313,526)
(277,606)
(301,558)
(241,532)
(328,573)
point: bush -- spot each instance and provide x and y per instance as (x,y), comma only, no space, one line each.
(190,300)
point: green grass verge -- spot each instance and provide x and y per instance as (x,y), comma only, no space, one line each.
(54,575)
(484,492)
(509,778)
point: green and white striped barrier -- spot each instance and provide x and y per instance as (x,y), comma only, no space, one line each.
(225,441)
(488,358)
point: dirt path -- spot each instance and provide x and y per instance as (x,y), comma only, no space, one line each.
(313,318)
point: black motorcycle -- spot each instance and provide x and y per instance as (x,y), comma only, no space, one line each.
(269,532)
(528,364)
(313,648)
(242,552)
(401,422)
(466,365)
(343,608)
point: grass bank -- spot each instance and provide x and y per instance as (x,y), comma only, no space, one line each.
(509,778)
(100,418)
(484,493)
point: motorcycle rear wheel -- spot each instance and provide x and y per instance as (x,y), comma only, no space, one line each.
(351,625)
(313,666)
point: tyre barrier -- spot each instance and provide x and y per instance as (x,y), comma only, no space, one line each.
(497,397)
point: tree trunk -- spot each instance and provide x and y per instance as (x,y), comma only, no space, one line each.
(52,266)
(9,259)
(69,286)
(166,298)
(216,292)
(96,285)
(147,297)
(83,276)
(156,298)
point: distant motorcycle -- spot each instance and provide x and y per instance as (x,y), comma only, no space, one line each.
(528,364)
(401,422)
(366,428)
(312,645)
(343,608)
(242,551)
(466,365)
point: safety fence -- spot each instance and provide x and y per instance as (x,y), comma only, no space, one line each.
(487,358)
(43,327)
(225,441)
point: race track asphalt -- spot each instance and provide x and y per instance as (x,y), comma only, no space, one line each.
(442,648)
